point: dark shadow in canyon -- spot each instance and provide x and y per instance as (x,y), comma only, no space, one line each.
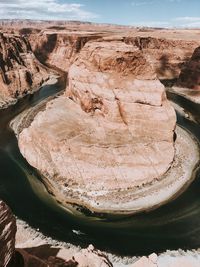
(42,52)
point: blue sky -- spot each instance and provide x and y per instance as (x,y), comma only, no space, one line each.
(152,13)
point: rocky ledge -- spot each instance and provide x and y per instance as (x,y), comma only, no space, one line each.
(108,144)
(20,71)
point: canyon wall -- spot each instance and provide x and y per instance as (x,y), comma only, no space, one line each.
(167,56)
(59,49)
(20,71)
(7,234)
(190,74)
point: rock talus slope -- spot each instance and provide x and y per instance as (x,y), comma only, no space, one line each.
(20,71)
(111,133)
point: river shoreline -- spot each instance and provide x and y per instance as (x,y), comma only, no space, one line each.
(150,197)
(52,78)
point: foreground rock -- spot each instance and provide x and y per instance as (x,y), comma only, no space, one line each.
(43,256)
(7,234)
(20,72)
(109,142)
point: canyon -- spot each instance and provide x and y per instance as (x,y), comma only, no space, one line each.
(110,143)
(91,148)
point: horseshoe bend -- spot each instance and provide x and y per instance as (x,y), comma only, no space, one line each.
(99,143)
(108,144)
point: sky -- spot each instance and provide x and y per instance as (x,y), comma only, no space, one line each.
(152,13)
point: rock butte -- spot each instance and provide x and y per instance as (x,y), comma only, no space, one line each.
(110,136)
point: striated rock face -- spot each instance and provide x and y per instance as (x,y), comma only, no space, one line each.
(20,71)
(59,49)
(167,56)
(7,234)
(110,135)
(190,75)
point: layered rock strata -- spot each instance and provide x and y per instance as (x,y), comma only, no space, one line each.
(20,71)
(111,137)
(7,234)
(167,56)
(59,49)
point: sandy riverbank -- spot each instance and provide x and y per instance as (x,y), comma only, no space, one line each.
(134,199)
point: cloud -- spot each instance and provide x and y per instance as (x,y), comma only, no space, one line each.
(142,3)
(162,24)
(150,2)
(188,22)
(43,9)
(179,22)
(187,19)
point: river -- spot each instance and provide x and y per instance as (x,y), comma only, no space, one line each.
(172,226)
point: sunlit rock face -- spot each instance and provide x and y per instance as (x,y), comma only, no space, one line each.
(20,71)
(190,75)
(59,49)
(7,234)
(110,135)
(167,55)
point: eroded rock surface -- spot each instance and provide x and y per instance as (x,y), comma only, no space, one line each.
(112,132)
(59,49)
(20,71)
(7,234)
(167,56)
(190,75)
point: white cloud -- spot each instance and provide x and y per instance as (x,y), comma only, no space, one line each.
(162,24)
(187,19)
(187,22)
(150,2)
(179,22)
(43,9)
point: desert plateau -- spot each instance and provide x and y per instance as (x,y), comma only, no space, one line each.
(99,134)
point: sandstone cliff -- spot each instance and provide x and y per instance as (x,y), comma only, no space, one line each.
(190,75)
(113,132)
(7,234)
(20,71)
(167,56)
(59,49)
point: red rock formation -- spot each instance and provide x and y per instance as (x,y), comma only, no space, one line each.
(59,49)
(114,132)
(167,56)
(20,71)
(190,75)
(7,234)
